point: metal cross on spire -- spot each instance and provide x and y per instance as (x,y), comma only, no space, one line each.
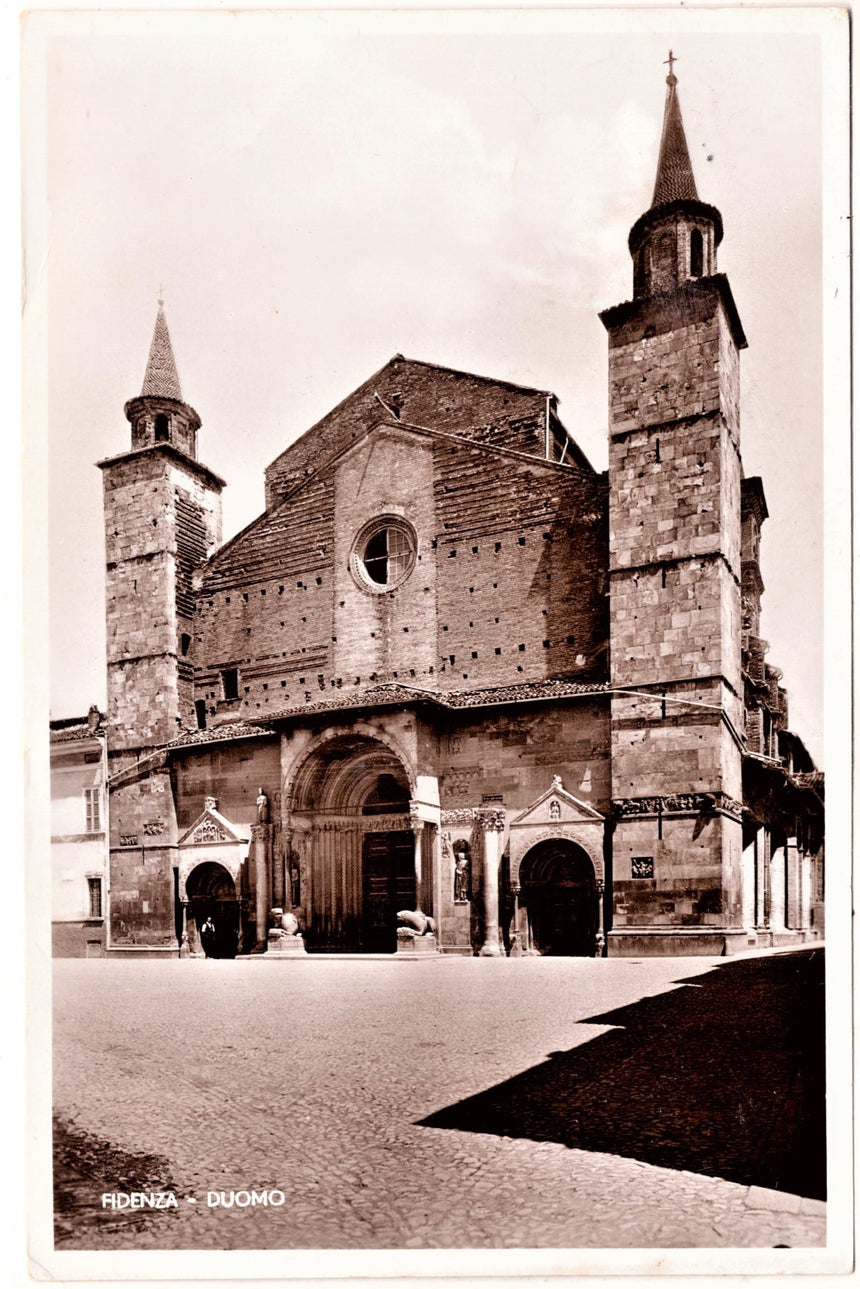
(671,79)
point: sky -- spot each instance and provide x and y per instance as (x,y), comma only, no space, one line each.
(313,193)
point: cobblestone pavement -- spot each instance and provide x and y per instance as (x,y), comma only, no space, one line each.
(311,1077)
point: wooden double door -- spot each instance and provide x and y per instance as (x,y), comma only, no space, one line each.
(388,886)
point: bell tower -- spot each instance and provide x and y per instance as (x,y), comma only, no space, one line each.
(162,511)
(675,576)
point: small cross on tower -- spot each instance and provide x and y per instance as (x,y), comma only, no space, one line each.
(671,79)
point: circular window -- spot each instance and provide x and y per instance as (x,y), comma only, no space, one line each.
(384,554)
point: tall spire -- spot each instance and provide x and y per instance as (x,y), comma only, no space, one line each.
(161,379)
(675,180)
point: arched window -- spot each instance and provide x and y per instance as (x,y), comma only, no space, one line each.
(640,283)
(162,428)
(697,254)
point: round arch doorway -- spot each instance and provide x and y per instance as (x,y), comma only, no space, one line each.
(559,893)
(351,799)
(214,910)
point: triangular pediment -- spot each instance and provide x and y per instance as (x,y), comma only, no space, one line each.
(212,827)
(557,806)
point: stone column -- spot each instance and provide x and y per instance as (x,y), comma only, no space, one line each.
(279,885)
(762,846)
(516,947)
(777,890)
(748,886)
(418,833)
(260,846)
(805,864)
(436,844)
(600,938)
(493,824)
(184,949)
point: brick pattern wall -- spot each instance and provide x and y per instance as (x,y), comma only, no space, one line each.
(435,397)
(509,582)
(265,607)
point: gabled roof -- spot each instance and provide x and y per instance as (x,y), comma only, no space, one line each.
(211,827)
(441,398)
(161,379)
(557,805)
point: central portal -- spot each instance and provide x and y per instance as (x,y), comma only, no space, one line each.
(388,864)
(355,846)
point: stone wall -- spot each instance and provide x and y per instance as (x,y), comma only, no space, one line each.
(160,520)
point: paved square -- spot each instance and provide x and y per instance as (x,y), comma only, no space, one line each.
(312,1078)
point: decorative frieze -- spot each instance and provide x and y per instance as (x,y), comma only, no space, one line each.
(679,803)
(207,831)
(365,823)
(487,817)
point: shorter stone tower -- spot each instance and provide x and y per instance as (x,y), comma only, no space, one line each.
(675,576)
(162,519)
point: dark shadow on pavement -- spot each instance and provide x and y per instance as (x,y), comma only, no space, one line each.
(723,1076)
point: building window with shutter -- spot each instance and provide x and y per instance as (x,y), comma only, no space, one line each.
(93,810)
(94,893)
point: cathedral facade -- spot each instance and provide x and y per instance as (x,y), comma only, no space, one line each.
(454,672)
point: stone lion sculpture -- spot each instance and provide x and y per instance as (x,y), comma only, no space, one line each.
(412,922)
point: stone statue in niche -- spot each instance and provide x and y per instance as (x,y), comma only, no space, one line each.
(554,810)
(262,808)
(462,873)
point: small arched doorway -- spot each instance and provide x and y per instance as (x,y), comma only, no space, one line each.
(214,909)
(559,893)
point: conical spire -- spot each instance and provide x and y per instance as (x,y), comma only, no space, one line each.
(675,180)
(161,379)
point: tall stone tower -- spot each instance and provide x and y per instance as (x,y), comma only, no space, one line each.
(675,576)
(162,518)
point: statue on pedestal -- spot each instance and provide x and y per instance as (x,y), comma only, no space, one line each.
(262,808)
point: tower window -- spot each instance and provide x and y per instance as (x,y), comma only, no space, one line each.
(184,643)
(200,712)
(230,684)
(162,428)
(697,254)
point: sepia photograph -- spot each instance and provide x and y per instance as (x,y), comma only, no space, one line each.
(437,513)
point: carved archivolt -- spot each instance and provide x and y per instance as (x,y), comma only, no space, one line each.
(586,835)
(229,857)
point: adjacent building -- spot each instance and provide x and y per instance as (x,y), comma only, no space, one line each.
(454,669)
(79,848)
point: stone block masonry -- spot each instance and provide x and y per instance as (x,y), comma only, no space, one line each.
(162,518)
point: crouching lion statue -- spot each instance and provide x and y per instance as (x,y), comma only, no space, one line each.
(412,923)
